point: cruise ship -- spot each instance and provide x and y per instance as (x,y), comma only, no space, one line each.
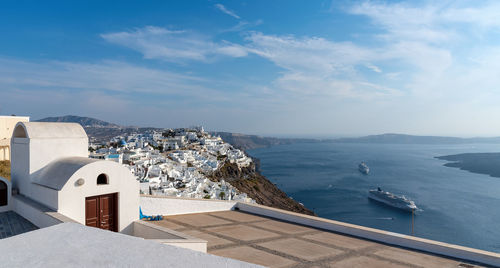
(363,168)
(392,200)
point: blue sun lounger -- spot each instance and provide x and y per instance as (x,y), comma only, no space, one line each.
(149,218)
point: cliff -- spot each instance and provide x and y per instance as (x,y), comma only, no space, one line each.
(248,142)
(257,187)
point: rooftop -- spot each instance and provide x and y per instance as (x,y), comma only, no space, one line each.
(270,242)
(75,245)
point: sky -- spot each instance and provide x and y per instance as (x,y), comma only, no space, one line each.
(282,68)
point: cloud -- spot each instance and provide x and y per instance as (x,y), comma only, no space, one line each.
(160,43)
(317,66)
(242,25)
(441,48)
(110,76)
(227,11)
(373,68)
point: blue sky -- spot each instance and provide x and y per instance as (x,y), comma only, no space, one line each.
(289,68)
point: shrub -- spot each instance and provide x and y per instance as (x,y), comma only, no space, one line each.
(5,169)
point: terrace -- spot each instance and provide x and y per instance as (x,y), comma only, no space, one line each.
(275,243)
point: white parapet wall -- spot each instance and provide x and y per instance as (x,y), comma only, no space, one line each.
(166,206)
(411,242)
(36,213)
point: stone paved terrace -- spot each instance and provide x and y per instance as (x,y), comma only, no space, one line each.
(12,224)
(275,243)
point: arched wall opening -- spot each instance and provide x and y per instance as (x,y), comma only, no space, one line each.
(102,179)
(20,132)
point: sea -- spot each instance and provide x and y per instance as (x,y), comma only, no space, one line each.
(457,206)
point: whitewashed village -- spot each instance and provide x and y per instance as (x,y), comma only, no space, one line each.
(175,162)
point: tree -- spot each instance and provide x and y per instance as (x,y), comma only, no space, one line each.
(221,195)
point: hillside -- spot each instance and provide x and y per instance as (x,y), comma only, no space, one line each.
(258,187)
(84,121)
(248,142)
(97,129)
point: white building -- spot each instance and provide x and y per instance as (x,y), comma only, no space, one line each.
(50,166)
(7,124)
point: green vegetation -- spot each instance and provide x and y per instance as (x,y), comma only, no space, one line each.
(5,169)
(207,196)
(221,195)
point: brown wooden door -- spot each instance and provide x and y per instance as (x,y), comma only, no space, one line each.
(101,211)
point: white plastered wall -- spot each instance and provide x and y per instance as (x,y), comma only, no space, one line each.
(72,197)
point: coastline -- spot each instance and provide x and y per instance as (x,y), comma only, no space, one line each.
(479,163)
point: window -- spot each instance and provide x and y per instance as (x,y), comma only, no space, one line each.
(102,179)
(19,132)
(3,193)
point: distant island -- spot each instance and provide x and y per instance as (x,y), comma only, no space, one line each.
(413,139)
(481,163)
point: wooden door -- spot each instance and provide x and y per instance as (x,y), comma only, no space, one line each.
(102,211)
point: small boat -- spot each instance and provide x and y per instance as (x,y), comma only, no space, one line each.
(392,200)
(363,168)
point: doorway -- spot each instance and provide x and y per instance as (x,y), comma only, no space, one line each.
(4,194)
(102,211)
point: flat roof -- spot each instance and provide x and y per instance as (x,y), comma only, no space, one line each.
(75,245)
(274,243)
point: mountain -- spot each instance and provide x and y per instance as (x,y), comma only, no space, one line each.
(98,130)
(84,121)
(412,139)
(248,142)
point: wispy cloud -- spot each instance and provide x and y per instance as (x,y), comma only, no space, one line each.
(317,66)
(227,11)
(110,76)
(160,43)
(242,25)
(373,68)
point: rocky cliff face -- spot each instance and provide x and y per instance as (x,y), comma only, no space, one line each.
(258,187)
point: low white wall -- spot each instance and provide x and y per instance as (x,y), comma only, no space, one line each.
(36,213)
(166,236)
(160,205)
(411,242)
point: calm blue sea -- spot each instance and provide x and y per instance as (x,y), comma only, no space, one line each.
(459,207)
